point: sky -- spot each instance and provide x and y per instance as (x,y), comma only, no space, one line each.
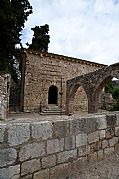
(84,29)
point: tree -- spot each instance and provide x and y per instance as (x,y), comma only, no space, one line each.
(40,39)
(13,14)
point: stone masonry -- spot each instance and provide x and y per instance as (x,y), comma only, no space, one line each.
(43,70)
(55,149)
(4,95)
(93,84)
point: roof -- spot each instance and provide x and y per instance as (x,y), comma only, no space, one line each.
(52,55)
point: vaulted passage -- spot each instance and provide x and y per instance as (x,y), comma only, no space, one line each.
(52,95)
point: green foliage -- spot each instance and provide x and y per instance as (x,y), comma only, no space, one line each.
(115,94)
(40,39)
(109,87)
(13,14)
(115,107)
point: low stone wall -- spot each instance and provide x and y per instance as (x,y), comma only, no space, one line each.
(55,149)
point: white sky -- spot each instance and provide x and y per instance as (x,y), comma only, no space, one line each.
(85,29)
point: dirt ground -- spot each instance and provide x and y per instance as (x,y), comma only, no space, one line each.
(106,169)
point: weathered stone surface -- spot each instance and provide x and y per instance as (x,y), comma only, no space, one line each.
(60,129)
(109,133)
(59,172)
(105,144)
(18,133)
(111,120)
(92,157)
(77,165)
(84,150)
(12,172)
(41,130)
(93,137)
(4,95)
(70,142)
(30,166)
(48,161)
(81,139)
(108,151)
(66,156)
(101,134)
(27,177)
(113,141)
(32,151)
(7,157)
(100,155)
(83,125)
(2,130)
(55,145)
(96,146)
(102,122)
(43,174)
(117,121)
(116,131)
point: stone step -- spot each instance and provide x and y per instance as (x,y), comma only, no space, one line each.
(52,110)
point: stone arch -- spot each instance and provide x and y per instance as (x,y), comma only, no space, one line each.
(71,96)
(53,95)
(92,83)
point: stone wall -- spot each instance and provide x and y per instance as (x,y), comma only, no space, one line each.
(55,149)
(43,70)
(4,95)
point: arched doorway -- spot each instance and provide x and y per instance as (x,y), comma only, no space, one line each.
(52,95)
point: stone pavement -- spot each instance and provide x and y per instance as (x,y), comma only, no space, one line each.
(106,169)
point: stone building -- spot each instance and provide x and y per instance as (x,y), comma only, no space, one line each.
(44,77)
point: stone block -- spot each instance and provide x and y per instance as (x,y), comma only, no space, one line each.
(81,139)
(43,174)
(116,131)
(27,177)
(83,125)
(113,141)
(55,145)
(117,121)
(18,133)
(59,172)
(69,142)
(105,144)
(66,156)
(10,172)
(32,151)
(92,157)
(101,121)
(111,120)
(48,161)
(30,166)
(100,155)
(41,130)
(109,133)
(61,129)
(108,151)
(117,148)
(7,157)
(93,137)
(84,150)
(102,134)
(95,146)
(2,130)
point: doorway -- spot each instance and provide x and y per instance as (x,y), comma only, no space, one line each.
(52,95)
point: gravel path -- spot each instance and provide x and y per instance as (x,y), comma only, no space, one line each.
(106,169)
